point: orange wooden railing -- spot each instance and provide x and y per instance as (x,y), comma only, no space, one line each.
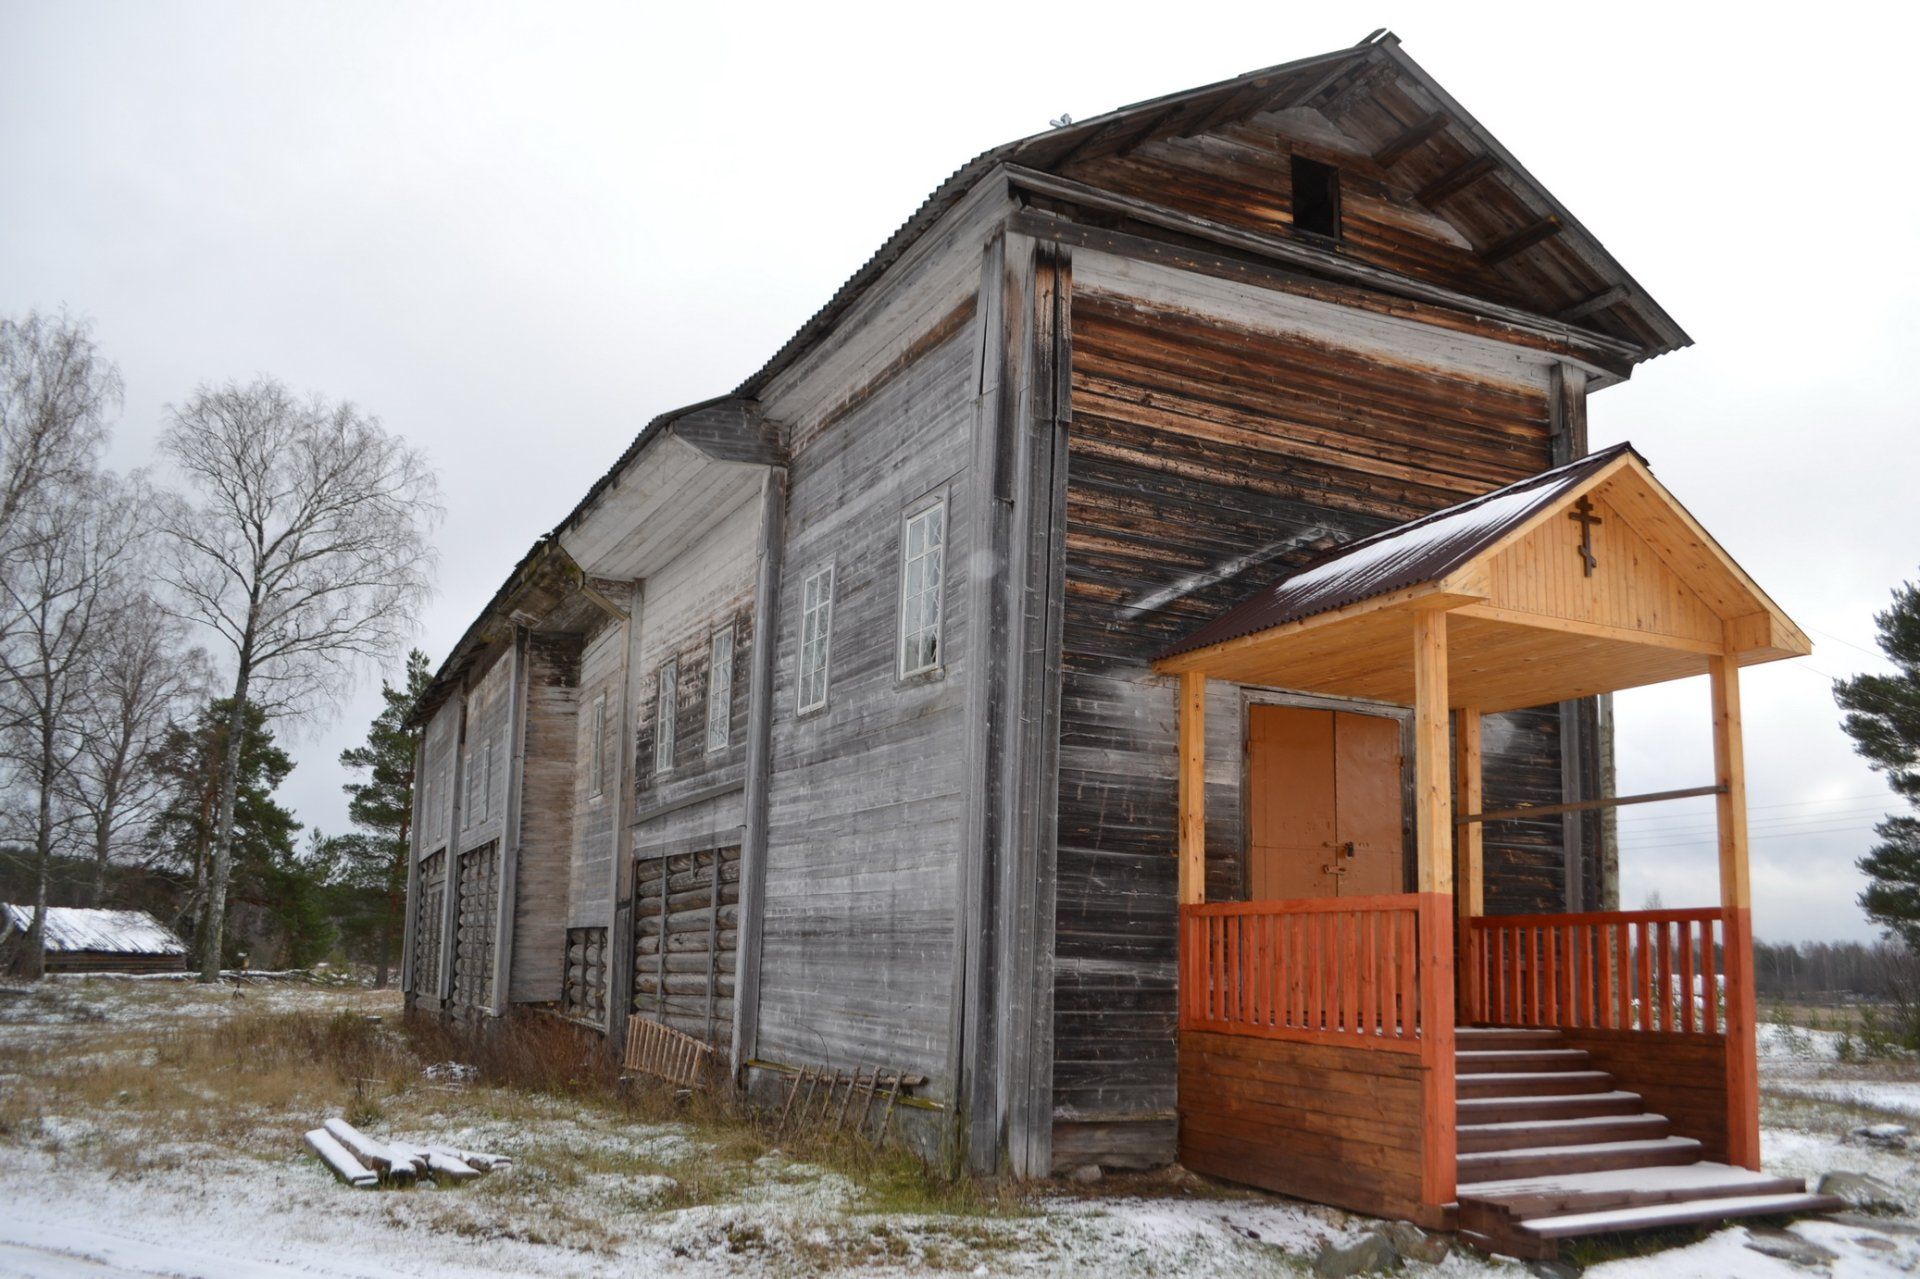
(1666,971)
(1343,971)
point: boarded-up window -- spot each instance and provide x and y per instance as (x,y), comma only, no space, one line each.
(686,914)
(429,908)
(479,912)
(720,690)
(585,991)
(816,629)
(923,542)
(664,706)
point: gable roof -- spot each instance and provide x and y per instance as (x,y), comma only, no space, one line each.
(1450,155)
(1449,546)
(120,932)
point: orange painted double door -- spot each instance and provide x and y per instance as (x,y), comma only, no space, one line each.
(1325,804)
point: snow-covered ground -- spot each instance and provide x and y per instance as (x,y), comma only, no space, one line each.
(136,1140)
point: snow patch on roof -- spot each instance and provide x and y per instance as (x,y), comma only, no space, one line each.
(73,928)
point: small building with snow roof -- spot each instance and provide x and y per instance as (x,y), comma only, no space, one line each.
(81,940)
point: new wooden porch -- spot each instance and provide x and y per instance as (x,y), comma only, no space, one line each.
(1521,1078)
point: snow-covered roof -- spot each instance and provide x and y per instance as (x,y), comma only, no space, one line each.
(74,928)
(1419,551)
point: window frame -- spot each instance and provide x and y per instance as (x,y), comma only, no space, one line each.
(720,709)
(823,608)
(920,511)
(597,747)
(666,714)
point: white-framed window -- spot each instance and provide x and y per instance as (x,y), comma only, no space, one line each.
(923,542)
(816,634)
(669,693)
(597,746)
(720,690)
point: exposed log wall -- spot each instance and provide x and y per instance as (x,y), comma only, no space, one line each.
(686,929)
(1206,456)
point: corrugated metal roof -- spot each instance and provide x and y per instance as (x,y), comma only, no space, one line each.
(1411,554)
(121,932)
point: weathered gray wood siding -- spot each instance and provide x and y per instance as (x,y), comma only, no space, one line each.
(434,788)
(596,799)
(707,588)
(545,837)
(864,803)
(1218,438)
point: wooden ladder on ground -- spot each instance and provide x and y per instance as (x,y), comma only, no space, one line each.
(1551,1149)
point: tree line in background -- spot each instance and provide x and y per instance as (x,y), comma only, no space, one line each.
(153,638)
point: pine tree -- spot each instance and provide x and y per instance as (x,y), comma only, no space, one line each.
(268,872)
(1883,718)
(370,865)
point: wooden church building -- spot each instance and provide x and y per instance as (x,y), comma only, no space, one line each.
(1132,664)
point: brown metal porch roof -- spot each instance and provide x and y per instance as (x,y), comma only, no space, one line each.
(1421,550)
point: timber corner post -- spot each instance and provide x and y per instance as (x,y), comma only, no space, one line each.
(1469,850)
(1433,816)
(1736,903)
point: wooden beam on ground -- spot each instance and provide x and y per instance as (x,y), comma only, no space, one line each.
(1522,240)
(1736,899)
(1525,812)
(1193,788)
(1424,131)
(1455,180)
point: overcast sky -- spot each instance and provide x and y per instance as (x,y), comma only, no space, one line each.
(517,232)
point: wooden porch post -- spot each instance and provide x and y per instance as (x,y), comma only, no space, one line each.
(1736,900)
(1193,788)
(1470,899)
(1433,818)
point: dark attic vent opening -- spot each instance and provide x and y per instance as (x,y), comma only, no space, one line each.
(1316,197)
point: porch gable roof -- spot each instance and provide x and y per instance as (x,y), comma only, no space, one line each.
(1587,578)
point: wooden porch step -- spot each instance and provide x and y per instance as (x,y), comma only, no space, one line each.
(1682,1213)
(1483,1061)
(1504,1037)
(1513,1110)
(1532,1083)
(1586,1130)
(1528,1216)
(1532,1161)
(1531,1197)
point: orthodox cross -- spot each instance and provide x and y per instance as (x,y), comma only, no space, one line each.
(1582,513)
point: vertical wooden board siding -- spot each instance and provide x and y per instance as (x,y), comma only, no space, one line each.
(596,805)
(708,586)
(864,800)
(1204,459)
(489,724)
(1630,586)
(1338,1126)
(545,842)
(437,778)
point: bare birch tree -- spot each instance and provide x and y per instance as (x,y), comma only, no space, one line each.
(304,547)
(146,677)
(56,392)
(69,566)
